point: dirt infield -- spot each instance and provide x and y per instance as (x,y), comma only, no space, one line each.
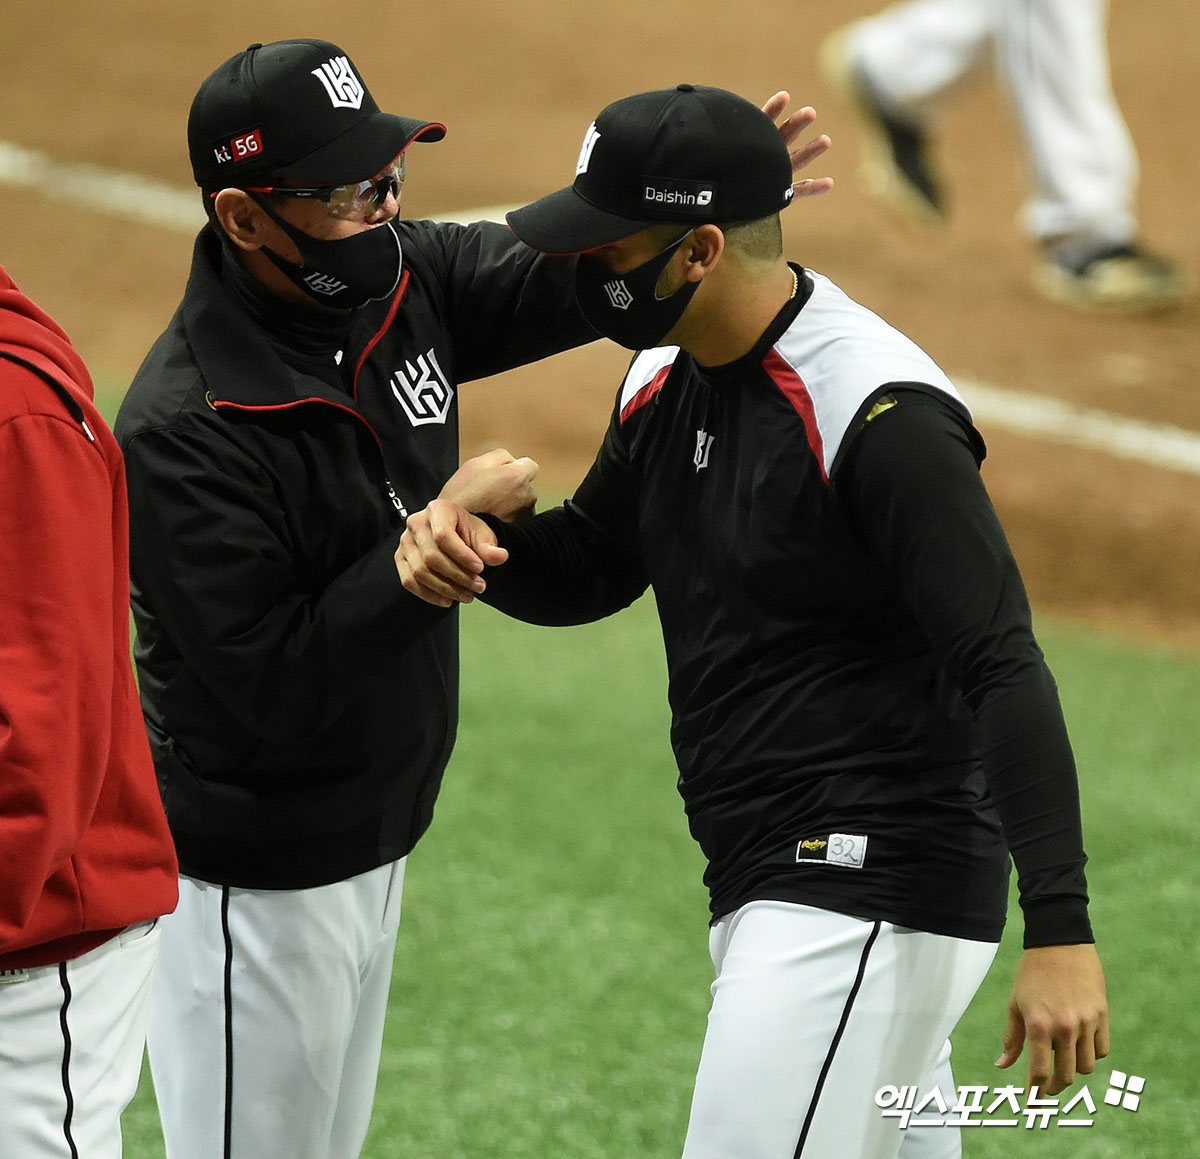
(1113,542)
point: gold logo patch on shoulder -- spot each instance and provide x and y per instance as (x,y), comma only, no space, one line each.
(848,850)
(885,402)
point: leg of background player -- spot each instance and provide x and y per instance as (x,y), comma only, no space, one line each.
(895,71)
(812,1013)
(914,54)
(896,68)
(71,1044)
(291,1073)
(1054,58)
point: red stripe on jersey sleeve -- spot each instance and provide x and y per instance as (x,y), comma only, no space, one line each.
(647,392)
(784,375)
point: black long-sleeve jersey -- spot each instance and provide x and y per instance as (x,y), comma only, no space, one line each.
(861,715)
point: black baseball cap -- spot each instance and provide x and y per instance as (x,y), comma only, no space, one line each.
(685,155)
(298,109)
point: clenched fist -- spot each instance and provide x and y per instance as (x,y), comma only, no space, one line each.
(494,483)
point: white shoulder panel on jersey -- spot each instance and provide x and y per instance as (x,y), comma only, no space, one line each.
(646,374)
(834,356)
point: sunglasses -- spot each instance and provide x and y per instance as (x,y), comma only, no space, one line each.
(355,201)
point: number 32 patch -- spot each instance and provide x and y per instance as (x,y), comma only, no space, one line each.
(845,849)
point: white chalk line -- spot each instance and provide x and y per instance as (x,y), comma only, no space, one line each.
(133,197)
(139,199)
(146,201)
(1038,416)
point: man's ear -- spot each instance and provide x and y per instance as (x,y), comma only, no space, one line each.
(704,249)
(242,219)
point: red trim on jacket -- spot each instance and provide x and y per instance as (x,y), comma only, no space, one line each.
(217,404)
(387,322)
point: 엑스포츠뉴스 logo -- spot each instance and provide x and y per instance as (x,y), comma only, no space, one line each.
(344,88)
(975,1106)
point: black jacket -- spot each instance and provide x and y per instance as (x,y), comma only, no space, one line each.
(301,705)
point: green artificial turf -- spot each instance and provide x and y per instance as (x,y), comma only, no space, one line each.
(551,976)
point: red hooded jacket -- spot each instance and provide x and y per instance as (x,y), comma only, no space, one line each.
(84,845)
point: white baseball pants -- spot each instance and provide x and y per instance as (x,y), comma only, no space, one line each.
(813,1012)
(267,1018)
(1053,57)
(72,1037)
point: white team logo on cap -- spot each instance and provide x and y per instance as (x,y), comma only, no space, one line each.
(585,154)
(344,88)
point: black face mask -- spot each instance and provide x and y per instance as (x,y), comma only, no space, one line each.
(343,272)
(626,307)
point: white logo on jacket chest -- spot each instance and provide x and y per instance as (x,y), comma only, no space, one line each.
(704,442)
(423,390)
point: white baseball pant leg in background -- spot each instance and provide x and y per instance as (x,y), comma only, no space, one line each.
(813,1012)
(1052,56)
(267,1018)
(915,54)
(72,1037)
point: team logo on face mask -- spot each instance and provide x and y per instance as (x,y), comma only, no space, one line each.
(618,293)
(324,284)
(423,391)
(344,88)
